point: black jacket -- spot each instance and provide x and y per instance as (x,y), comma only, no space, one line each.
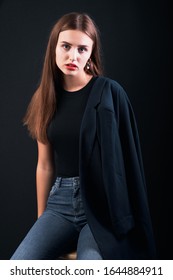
(112,176)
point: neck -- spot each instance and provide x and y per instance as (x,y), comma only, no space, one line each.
(75,83)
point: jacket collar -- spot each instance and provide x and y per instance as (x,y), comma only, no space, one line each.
(88,125)
(96,93)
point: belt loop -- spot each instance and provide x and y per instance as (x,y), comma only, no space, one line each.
(59,181)
(76,181)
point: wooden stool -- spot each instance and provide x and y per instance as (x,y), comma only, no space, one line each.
(69,256)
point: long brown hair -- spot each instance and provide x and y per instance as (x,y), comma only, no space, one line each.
(43,103)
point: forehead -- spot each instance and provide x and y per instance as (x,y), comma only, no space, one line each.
(75,37)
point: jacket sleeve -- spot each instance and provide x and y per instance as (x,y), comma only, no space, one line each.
(123,172)
(132,155)
(128,132)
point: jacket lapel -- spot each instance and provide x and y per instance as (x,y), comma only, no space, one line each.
(88,125)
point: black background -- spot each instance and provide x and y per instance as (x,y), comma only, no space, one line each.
(137,45)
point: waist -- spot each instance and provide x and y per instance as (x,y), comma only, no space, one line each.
(68,181)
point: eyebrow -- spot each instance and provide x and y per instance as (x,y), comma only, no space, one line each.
(64,42)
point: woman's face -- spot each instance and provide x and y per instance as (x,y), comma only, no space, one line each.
(73,51)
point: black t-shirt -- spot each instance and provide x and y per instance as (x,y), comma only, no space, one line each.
(64,129)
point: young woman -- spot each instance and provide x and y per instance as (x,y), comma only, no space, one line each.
(90,181)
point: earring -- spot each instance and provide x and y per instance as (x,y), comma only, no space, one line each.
(88,65)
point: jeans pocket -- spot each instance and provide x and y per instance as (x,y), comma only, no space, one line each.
(54,188)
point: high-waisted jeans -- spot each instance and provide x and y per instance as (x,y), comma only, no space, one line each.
(61,228)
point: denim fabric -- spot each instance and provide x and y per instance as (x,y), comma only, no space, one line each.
(61,228)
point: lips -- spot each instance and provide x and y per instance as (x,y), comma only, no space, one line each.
(71,66)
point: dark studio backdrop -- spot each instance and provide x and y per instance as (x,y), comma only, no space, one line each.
(137,45)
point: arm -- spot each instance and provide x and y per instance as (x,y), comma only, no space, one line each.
(44,175)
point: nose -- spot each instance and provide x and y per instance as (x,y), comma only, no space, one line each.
(73,54)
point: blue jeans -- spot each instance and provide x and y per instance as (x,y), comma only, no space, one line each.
(61,228)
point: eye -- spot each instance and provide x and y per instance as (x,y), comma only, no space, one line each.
(82,49)
(66,47)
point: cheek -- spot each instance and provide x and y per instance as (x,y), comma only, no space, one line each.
(59,56)
(57,53)
(85,58)
(56,58)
